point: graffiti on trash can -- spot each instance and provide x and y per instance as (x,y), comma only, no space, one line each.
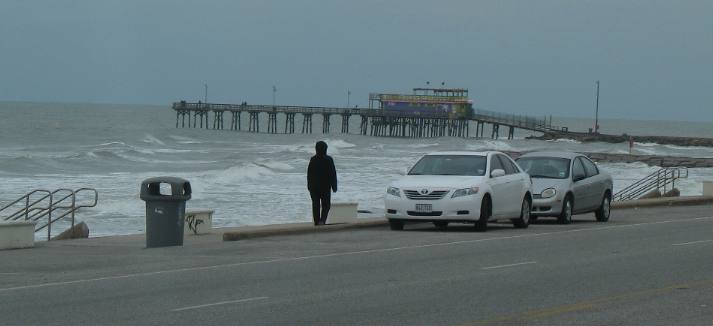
(193,223)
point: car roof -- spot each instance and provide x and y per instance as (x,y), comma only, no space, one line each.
(557,154)
(462,153)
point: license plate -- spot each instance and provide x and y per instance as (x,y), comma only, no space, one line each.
(426,208)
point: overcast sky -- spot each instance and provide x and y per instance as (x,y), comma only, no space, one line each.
(654,58)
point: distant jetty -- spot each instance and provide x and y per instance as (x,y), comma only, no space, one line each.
(651,160)
(592,137)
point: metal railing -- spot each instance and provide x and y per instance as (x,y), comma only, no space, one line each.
(515,120)
(41,203)
(662,180)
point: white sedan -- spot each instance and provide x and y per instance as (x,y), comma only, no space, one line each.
(468,187)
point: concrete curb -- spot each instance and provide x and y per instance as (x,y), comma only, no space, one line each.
(252,232)
(665,201)
(298,228)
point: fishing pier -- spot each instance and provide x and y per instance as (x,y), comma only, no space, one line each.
(427,112)
(372,122)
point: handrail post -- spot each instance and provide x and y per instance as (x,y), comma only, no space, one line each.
(74,201)
(49,220)
(27,207)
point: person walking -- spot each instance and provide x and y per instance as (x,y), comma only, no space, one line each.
(321,181)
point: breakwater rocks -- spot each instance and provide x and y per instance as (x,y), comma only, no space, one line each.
(664,140)
(652,160)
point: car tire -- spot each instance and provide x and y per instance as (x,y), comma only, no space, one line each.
(396,225)
(602,213)
(565,216)
(440,224)
(523,221)
(481,225)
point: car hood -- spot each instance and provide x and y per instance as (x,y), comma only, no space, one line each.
(437,181)
(540,184)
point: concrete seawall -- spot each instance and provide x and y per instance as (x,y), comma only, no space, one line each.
(251,232)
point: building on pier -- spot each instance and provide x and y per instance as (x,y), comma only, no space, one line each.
(450,102)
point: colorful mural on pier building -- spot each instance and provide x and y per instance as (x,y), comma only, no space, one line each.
(451,102)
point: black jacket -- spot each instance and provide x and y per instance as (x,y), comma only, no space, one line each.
(321,174)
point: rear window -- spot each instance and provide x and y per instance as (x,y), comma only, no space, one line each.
(590,167)
(545,167)
(450,165)
(509,165)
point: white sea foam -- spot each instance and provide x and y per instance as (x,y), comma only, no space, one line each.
(184,140)
(646,151)
(274,165)
(563,140)
(235,174)
(422,145)
(173,151)
(687,148)
(112,143)
(339,143)
(495,145)
(150,139)
(333,147)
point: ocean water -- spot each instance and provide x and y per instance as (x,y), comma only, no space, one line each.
(248,178)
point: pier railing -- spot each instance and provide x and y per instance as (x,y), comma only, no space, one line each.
(207,107)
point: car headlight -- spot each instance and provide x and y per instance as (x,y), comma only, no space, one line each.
(465,192)
(549,192)
(393,191)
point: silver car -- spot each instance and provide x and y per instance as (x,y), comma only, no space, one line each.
(566,183)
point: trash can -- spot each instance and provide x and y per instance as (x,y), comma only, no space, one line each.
(165,199)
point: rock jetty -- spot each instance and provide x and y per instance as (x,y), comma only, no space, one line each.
(592,137)
(652,160)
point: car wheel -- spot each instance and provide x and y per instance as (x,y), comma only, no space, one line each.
(481,225)
(396,225)
(602,213)
(565,216)
(441,224)
(524,220)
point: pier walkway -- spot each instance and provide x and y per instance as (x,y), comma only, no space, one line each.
(374,122)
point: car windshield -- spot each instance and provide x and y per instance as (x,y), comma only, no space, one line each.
(545,167)
(450,165)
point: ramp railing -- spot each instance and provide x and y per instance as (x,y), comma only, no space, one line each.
(52,205)
(662,180)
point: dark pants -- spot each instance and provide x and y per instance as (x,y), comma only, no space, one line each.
(325,199)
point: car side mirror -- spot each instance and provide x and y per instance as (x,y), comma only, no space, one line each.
(497,173)
(404,171)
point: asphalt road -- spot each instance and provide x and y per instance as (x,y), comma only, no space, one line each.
(644,267)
